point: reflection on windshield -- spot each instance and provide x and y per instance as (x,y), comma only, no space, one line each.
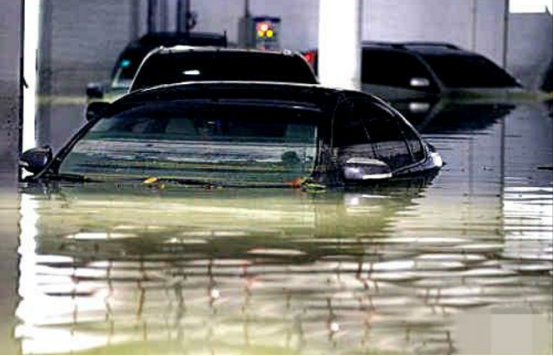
(232,145)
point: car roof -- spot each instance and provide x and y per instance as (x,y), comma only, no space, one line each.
(177,49)
(242,90)
(417,46)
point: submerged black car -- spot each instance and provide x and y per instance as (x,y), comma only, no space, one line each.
(413,70)
(241,134)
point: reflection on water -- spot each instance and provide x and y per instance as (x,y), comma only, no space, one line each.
(232,271)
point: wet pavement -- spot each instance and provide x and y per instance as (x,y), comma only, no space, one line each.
(462,264)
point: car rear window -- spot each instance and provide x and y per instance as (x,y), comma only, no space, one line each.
(175,68)
(210,143)
(468,71)
(128,63)
(392,68)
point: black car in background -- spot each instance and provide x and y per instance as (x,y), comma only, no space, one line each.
(241,134)
(414,70)
(131,57)
(184,64)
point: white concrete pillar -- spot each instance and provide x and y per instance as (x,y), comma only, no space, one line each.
(30,50)
(339,55)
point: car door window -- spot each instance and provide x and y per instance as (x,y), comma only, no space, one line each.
(349,129)
(393,68)
(350,137)
(414,141)
(392,140)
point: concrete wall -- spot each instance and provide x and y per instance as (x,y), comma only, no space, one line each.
(80,41)
(529,46)
(299,19)
(10,41)
(472,24)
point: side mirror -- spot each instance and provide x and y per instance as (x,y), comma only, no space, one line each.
(95,110)
(36,159)
(95,90)
(420,82)
(363,169)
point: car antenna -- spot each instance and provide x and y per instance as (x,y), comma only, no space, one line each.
(225,36)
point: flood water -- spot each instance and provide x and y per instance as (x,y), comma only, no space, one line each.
(462,264)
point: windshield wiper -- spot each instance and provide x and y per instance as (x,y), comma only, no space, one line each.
(153,181)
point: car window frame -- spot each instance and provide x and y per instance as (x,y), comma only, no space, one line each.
(367,99)
(435,84)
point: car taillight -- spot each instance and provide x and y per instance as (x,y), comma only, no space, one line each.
(310,57)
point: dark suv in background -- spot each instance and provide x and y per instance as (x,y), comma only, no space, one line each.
(415,70)
(134,53)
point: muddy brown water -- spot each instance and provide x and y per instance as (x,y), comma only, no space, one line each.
(462,264)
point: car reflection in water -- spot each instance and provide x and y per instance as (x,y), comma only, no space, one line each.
(434,116)
(224,271)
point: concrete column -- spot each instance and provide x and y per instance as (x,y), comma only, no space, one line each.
(172,16)
(340,56)
(163,16)
(11,92)
(505,37)
(45,82)
(10,88)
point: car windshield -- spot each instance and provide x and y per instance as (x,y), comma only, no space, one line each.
(213,143)
(198,66)
(468,71)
